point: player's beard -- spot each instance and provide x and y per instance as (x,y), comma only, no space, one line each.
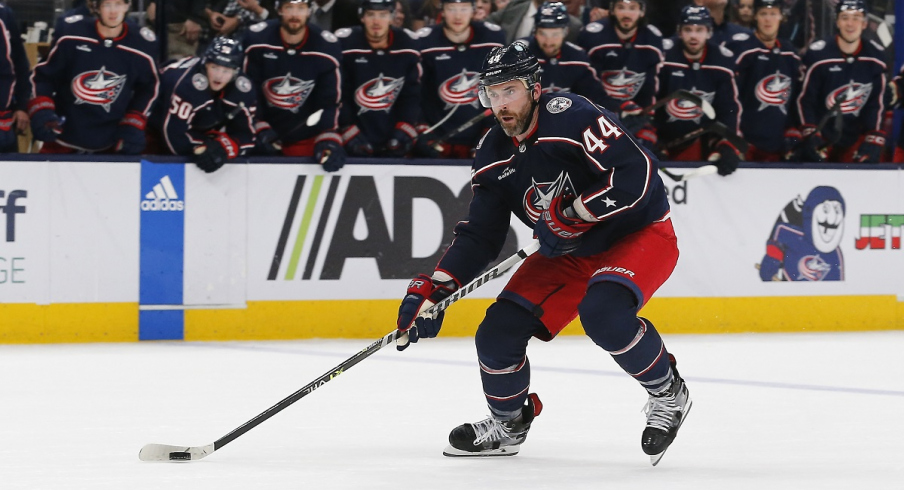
(293,28)
(625,30)
(521,122)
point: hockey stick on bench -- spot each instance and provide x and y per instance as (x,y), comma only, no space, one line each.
(461,129)
(164,452)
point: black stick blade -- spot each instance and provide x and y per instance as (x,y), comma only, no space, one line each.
(163,452)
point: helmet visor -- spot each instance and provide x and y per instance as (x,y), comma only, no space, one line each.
(503,94)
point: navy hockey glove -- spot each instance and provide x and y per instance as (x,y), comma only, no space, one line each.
(631,116)
(8,137)
(45,124)
(791,145)
(355,143)
(328,152)
(559,233)
(814,147)
(648,138)
(219,148)
(870,150)
(423,292)
(401,141)
(129,135)
(426,146)
(726,157)
(266,140)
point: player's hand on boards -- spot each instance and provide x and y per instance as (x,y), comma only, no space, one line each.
(328,152)
(870,150)
(423,292)
(558,231)
(813,147)
(726,157)
(46,125)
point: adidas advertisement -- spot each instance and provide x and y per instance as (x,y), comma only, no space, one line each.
(163,197)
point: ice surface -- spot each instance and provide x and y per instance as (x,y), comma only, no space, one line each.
(775,411)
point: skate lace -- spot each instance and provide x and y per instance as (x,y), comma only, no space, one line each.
(489,429)
(660,411)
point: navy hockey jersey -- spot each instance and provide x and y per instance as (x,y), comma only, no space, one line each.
(382,87)
(768,83)
(899,82)
(451,73)
(569,71)
(577,149)
(294,82)
(711,77)
(728,32)
(95,81)
(831,74)
(15,84)
(188,110)
(628,70)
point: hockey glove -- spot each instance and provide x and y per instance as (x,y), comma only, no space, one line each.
(266,140)
(870,150)
(129,135)
(631,116)
(726,157)
(559,233)
(772,262)
(423,292)
(426,145)
(8,137)
(219,148)
(814,146)
(648,138)
(401,141)
(328,152)
(45,124)
(355,143)
(892,97)
(791,145)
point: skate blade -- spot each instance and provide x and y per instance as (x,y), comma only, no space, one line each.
(654,459)
(503,451)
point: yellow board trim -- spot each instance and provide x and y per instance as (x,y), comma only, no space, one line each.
(278,320)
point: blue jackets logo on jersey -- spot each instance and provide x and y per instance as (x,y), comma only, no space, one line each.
(98,87)
(774,91)
(622,84)
(378,94)
(856,95)
(684,110)
(460,89)
(540,194)
(287,92)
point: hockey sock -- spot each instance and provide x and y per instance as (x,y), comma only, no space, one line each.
(502,354)
(609,316)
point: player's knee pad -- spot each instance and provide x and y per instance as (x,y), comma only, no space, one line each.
(503,334)
(609,315)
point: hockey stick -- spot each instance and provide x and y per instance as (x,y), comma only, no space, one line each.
(697,172)
(464,127)
(683,94)
(443,120)
(714,127)
(164,452)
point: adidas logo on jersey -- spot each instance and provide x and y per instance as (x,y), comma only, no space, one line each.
(163,197)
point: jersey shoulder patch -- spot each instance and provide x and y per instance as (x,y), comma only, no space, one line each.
(741,36)
(260,26)
(491,26)
(818,45)
(199,82)
(343,32)
(594,27)
(148,34)
(328,36)
(668,43)
(654,30)
(558,104)
(243,84)
(726,52)
(74,18)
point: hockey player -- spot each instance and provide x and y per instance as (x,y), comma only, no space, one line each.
(696,64)
(381,78)
(768,72)
(101,77)
(627,54)
(295,67)
(207,106)
(15,85)
(451,54)
(896,89)
(565,168)
(565,66)
(845,73)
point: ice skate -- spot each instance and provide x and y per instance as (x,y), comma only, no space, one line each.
(666,412)
(493,437)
